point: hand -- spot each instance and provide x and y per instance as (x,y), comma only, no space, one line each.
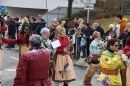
(79,36)
(120,52)
(66,51)
(124,57)
(91,37)
(71,43)
(84,36)
(101,51)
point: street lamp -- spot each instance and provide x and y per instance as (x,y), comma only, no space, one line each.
(46,14)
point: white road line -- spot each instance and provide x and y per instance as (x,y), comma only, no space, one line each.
(96,75)
(10,70)
(14,58)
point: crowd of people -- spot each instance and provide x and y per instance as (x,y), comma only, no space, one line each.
(42,65)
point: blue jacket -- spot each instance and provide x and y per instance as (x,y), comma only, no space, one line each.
(99,29)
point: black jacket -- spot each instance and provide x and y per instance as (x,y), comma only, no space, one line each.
(11,28)
(86,32)
(39,27)
(33,26)
(52,34)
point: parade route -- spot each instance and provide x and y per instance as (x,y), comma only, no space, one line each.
(10,63)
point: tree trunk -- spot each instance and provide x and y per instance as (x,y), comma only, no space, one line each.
(69,9)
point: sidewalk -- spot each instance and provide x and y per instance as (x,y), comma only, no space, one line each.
(80,62)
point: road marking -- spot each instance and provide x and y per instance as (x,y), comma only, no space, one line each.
(10,69)
(14,58)
(96,75)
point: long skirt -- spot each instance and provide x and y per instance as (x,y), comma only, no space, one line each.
(128,76)
(60,74)
(23,49)
(90,72)
(1,57)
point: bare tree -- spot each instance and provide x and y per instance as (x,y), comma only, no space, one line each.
(69,9)
(107,5)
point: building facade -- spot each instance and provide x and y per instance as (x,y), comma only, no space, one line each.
(34,7)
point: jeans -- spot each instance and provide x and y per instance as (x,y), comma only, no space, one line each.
(77,48)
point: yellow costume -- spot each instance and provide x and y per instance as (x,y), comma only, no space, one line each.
(111,62)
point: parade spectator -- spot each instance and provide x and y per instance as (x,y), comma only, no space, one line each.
(73,31)
(121,25)
(78,35)
(33,66)
(11,32)
(125,34)
(110,33)
(86,34)
(16,24)
(39,16)
(66,25)
(96,27)
(76,22)
(53,29)
(33,24)
(20,19)
(41,24)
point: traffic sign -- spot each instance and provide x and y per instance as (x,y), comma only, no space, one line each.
(88,6)
(88,1)
(2,8)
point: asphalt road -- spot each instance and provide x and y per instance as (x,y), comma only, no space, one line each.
(10,62)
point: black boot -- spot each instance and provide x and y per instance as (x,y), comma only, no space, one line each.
(65,84)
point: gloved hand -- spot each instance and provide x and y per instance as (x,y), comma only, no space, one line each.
(124,57)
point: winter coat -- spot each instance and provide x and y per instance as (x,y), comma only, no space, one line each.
(111,61)
(39,27)
(99,29)
(11,28)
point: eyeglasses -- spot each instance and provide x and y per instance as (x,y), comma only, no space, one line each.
(116,45)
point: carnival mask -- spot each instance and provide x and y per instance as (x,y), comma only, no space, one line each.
(26,30)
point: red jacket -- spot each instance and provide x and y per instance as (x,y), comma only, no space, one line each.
(64,42)
(127,50)
(33,69)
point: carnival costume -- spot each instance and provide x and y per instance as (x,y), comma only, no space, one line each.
(62,60)
(33,66)
(110,63)
(127,71)
(23,39)
(95,47)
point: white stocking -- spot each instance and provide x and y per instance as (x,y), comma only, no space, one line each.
(55,83)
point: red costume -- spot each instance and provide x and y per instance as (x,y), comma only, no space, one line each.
(21,37)
(33,69)
(22,42)
(61,59)
(127,50)
(64,42)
